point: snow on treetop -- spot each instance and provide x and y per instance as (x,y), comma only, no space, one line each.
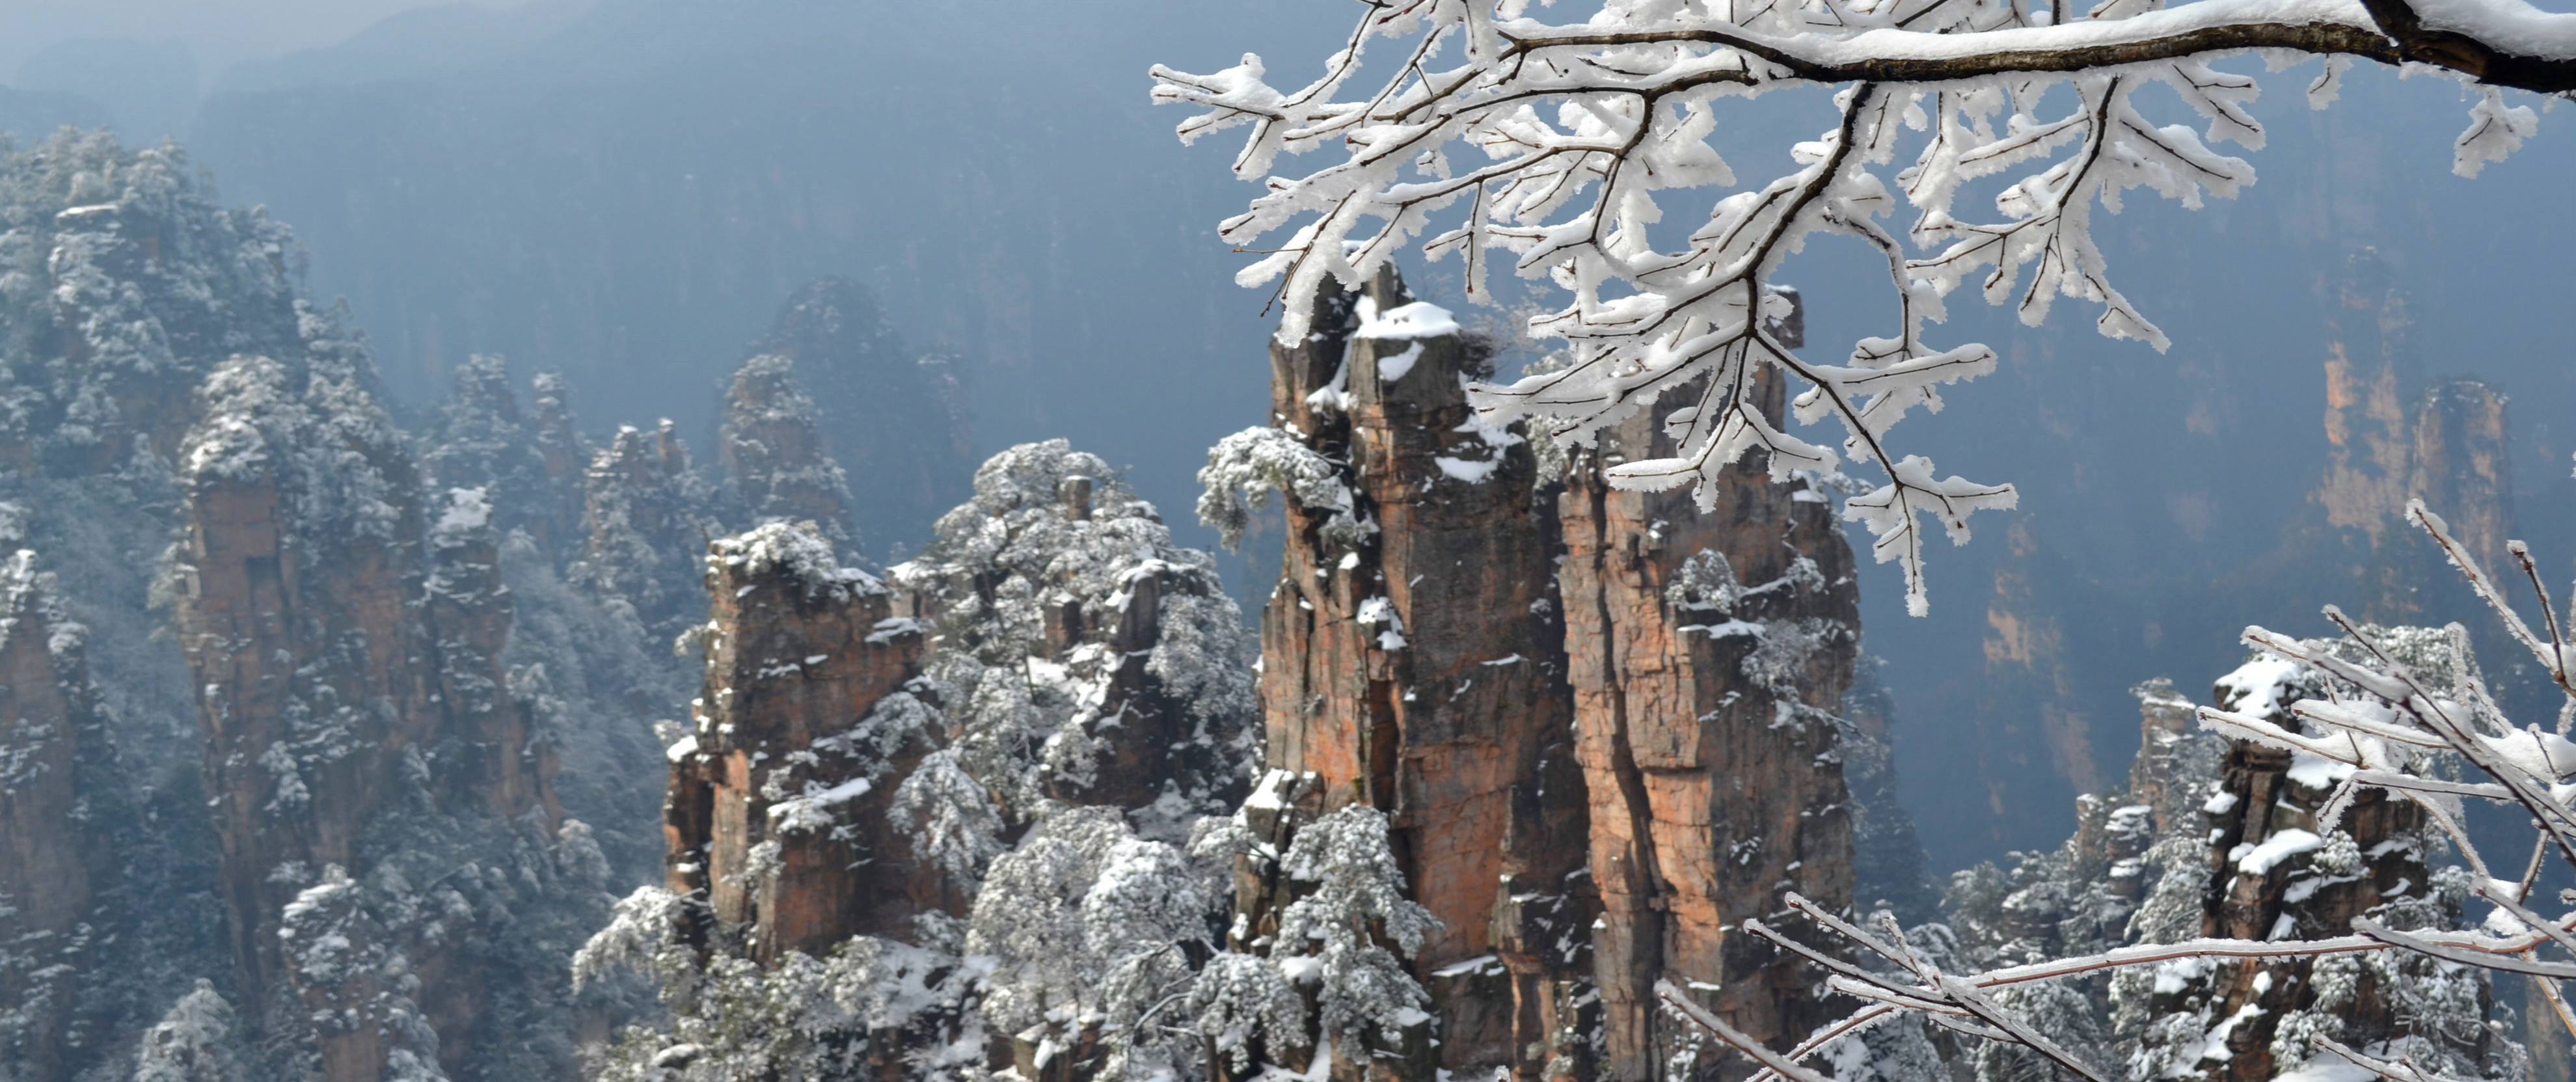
(467,513)
(798,550)
(1420,319)
(2265,686)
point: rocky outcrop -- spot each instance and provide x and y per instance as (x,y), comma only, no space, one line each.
(2278,871)
(1095,661)
(963,793)
(810,734)
(48,850)
(1604,723)
(777,463)
(646,525)
(2213,838)
(1711,649)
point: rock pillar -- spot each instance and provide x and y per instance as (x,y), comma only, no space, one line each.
(1709,652)
(803,740)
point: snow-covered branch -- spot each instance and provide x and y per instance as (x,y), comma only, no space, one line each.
(1584,125)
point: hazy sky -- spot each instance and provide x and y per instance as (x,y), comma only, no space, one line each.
(220,32)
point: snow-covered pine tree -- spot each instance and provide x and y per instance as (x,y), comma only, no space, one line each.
(1319,984)
(1091,659)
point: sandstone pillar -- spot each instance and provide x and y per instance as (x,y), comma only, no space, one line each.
(1416,667)
(1709,651)
(802,738)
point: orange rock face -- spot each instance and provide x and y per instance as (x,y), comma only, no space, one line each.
(805,732)
(1418,670)
(1709,651)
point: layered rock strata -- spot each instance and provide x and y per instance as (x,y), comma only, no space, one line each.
(1711,648)
(2213,838)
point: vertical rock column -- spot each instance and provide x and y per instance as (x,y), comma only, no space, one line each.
(2278,873)
(498,761)
(2461,470)
(774,454)
(804,734)
(645,526)
(298,571)
(1410,663)
(298,626)
(560,452)
(1708,650)
(46,704)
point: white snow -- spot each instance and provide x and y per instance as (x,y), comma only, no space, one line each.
(1394,366)
(2547,756)
(467,511)
(2318,772)
(2263,686)
(1380,613)
(2281,846)
(1474,473)
(1420,319)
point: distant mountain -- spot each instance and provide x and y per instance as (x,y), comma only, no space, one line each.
(146,90)
(29,115)
(407,45)
(629,196)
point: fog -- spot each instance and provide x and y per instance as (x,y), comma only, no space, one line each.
(627,190)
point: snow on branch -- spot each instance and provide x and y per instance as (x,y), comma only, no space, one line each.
(1556,144)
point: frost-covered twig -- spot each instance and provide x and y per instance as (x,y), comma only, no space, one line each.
(1584,126)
